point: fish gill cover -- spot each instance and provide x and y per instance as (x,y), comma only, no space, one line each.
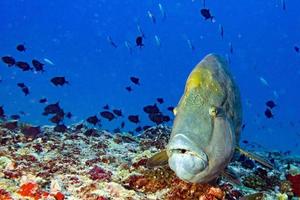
(114,69)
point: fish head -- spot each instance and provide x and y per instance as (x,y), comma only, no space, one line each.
(202,139)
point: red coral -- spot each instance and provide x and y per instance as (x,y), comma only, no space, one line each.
(295,182)
(59,196)
(98,173)
(32,190)
(4,195)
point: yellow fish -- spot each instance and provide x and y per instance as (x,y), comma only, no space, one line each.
(207,125)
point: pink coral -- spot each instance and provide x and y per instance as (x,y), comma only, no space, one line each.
(97,173)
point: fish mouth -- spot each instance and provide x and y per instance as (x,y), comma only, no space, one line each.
(186,159)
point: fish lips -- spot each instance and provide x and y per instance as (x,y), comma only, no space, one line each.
(186,159)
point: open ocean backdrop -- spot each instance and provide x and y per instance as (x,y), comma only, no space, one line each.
(260,41)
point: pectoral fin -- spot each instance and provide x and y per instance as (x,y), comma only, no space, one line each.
(159,159)
(255,196)
(255,157)
(231,176)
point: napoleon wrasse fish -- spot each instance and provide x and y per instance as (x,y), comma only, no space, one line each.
(207,125)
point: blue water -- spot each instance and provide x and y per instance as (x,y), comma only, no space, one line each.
(73,35)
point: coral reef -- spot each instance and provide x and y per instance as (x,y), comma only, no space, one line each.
(42,163)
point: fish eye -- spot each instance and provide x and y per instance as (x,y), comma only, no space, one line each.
(182,150)
(213,111)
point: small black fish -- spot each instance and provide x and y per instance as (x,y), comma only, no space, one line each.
(221,29)
(31,131)
(24,88)
(146,127)
(160,100)
(69,115)
(93,120)
(91,132)
(24,66)
(117,130)
(139,41)
(107,115)
(131,132)
(268,113)
(21,85)
(128,88)
(59,80)
(270,104)
(245,141)
(118,112)
(79,127)
(122,124)
(134,118)
(206,14)
(11,125)
(21,47)
(38,66)
(2,115)
(243,126)
(106,107)
(135,80)
(52,109)
(9,60)
(43,100)
(138,129)
(151,109)
(166,118)
(157,118)
(15,117)
(61,128)
(297,49)
(170,108)
(56,119)
(230,48)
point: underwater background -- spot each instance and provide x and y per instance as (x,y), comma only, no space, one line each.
(92,44)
